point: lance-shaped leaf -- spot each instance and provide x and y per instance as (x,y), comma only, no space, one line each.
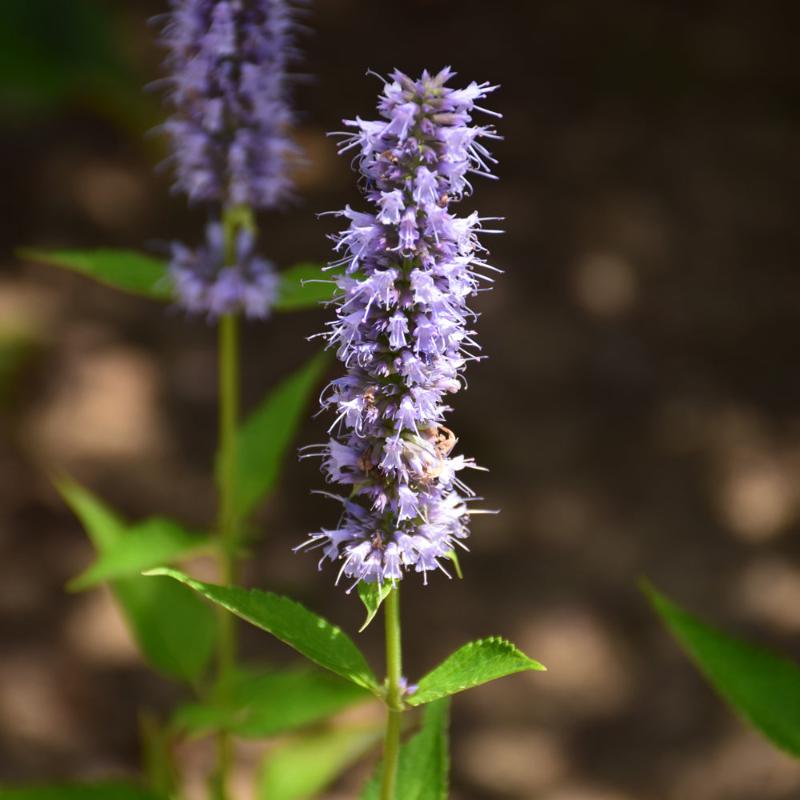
(76,791)
(256,705)
(761,686)
(265,436)
(471,665)
(424,766)
(304,286)
(309,634)
(372,595)
(304,766)
(173,628)
(126,270)
(143,546)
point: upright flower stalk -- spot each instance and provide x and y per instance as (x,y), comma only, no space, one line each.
(403,332)
(230,150)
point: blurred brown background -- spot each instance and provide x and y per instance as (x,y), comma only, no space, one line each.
(640,410)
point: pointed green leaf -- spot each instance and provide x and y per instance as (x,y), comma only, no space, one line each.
(88,791)
(144,545)
(372,595)
(173,628)
(471,665)
(257,705)
(265,436)
(304,766)
(309,634)
(121,269)
(761,686)
(423,769)
(453,556)
(304,286)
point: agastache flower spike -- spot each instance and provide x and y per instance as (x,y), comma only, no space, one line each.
(230,147)
(402,331)
(227,61)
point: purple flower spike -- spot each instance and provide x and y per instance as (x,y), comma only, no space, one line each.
(227,61)
(205,283)
(402,329)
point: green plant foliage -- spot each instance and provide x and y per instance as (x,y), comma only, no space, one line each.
(89,791)
(173,628)
(302,767)
(424,765)
(126,270)
(304,286)
(309,634)
(262,704)
(143,546)
(266,435)
(471,665)
(761,686)
(372,595)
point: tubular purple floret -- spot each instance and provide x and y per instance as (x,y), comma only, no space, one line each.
(401,329)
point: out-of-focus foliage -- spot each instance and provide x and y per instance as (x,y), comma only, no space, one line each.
(762,687)
(54,52)
(424,767)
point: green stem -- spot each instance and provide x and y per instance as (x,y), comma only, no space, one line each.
(228,521)
(394,694)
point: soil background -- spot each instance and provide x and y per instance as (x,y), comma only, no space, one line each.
(639,410)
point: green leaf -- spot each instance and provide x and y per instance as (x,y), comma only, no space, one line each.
(88,791)
(143,546)
(309,634)
(121,269)
(302,767)
(304,286)
(763,687)
(265,704)
(372,595)
(471,665)
(265,436)
(173,628)
(453,556)
(422,772)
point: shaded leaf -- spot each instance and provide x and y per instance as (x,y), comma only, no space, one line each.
(88,791)
(304,286)
(302,767)
(121,269)
(424,765)
(309,634)
(265,704)
(173,628)
(471,665)
(372,595)
(265,436)
(761,686)
(144,545)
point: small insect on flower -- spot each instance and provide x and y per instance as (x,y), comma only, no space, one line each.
(402,330)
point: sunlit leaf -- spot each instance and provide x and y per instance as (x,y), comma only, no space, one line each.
(760,685)
(144,545)
(372,595)
(303,766)
(309,634)
(265,704)
(266,435)
(424,765)
(174,629)
(126,270)
(471,665)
